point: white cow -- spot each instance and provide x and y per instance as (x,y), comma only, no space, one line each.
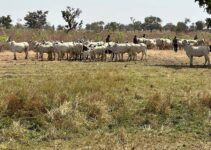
(63,48)
(44,47)
(163,43)
(197,51)
(135,49)
(118,50)
(18,47)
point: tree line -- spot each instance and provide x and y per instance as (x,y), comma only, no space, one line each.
(38,20)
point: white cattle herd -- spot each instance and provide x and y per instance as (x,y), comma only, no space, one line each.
(101,51)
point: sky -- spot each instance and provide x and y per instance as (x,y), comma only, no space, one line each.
(107,10)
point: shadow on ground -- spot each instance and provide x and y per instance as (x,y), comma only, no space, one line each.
(181,66)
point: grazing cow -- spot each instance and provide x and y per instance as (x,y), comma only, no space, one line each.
(46,47)
(197,51)
(18,47)
(136,49)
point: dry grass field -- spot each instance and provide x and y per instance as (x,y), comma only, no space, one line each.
(158,104)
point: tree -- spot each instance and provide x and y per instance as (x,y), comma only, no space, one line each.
(71,15)
(206,4)
(123,27)
(199,25)
(192,27)
(48,26)
(208,23)
(136,25)
(187,20)
(170,27)
(60,28)
(113,26)
(36,19)
(96,26)
(181,27)
(5,21)
(152,23)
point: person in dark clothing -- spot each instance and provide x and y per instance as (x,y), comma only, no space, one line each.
(135,40)
(144,35)
(108,39)
(175,44)
(196,37)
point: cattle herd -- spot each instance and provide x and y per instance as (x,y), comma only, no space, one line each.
(101,51)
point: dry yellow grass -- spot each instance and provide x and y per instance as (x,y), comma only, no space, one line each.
(158,104)
(33,34)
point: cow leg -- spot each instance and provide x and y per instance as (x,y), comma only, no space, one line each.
(59,56)
(119,57)
(205,57)
(112,56)
(129,55)
(37,55)
(41,55)
(26,54)
(80,57)
(207,60)
(67,56)
(135,57)
(49,55)
(191,61)
(54,56)
(15,58)
(145,56)
(142,56)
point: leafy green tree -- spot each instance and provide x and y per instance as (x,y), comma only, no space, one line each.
(123,27)
(5,21)
(205,4)
(208,23)
(187,20)
(36,19)
(96,26)
(152,23)
(200,25)
(48,26)
(136,25)
(181,27)
(113,26)
(60,28)
(170,27)
(71,15)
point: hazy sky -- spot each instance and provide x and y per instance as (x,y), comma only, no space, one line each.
(107,10)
